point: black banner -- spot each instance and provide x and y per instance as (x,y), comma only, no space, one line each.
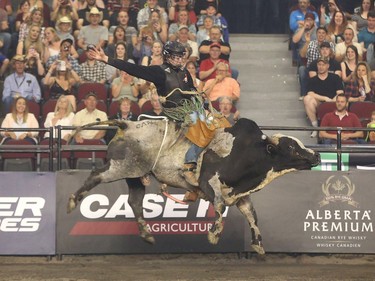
(104,222)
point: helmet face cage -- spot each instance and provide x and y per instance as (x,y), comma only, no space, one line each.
(172,49)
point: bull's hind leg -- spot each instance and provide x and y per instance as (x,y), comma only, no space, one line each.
(93,180)
(247,209)
(136,195)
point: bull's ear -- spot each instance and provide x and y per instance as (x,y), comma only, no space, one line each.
(271,148)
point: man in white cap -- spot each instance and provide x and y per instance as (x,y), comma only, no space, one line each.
(94,33)
(20,83)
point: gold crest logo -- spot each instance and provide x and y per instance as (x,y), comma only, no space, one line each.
(339,190)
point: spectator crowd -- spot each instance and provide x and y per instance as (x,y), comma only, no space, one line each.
(333,49)
(49,79)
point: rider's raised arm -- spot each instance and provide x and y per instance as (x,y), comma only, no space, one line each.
(152,73)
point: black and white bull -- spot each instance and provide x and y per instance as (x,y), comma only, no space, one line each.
(238,161)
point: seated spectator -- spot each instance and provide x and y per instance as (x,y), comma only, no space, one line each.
(115,7)
(5,35)
(192,68)
(32,41)
(125,86)
(343,119)
(23,14)
(65,54)
(82,4)
(145,41)
(371,134)
(340,49)
(219,21)
(93,71)
(327,52)
(367,35)
(51,43)
(34,64)
(183,38)
(203,34)
(120,53)
(208,66)
(177,6)
(158,26)
(36,18)
(296,20)
(200,6)
(94,33)
(222,85)
(118,36)
(214,37)
(144,13)
(349,64)
(64,8)
(20,83)
(20,118)
(124,113)
(360,87)
(359,19)
(324,87)
(156,57)
(64,29)
(305,33)
(84,19)
(62,116)
(226,105)
(326,12)
(88,115)
(60,79)
(337,27)
(183,19)
(130,31)
(157,109)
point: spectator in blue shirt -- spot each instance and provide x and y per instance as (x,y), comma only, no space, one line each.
(367,35)
(20,83)
(297,17)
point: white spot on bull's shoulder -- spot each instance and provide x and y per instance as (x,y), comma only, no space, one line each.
(222,144)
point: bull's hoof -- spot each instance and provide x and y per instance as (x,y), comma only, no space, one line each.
(149,239)
(258,247)
(72,203)
(213,238)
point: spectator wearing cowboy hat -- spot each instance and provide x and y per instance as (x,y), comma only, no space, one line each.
(19,83)
(94,33)
(64,29)
(83,12)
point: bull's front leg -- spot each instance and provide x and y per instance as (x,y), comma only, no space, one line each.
(136,195)
(93,180)
(217,228)
(247,209)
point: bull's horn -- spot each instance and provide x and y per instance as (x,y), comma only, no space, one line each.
(274,139)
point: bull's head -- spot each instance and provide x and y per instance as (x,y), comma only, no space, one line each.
(290,152)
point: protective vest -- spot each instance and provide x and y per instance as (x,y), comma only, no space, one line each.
(175,78)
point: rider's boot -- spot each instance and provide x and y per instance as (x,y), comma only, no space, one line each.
(189,173)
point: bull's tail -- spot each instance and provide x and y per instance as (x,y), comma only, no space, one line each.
(117,123)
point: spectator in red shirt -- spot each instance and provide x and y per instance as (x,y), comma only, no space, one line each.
(341,118)
(208,66)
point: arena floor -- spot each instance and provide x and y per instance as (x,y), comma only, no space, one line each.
(189,267)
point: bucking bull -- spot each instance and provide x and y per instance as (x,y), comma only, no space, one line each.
(239,160)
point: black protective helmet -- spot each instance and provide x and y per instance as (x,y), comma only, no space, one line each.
(173,48)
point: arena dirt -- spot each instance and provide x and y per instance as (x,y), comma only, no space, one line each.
(189,267)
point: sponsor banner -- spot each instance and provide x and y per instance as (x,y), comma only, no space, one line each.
(103,223)
(27,213)
(322,212)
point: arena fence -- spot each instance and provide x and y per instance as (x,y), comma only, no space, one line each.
(300,212)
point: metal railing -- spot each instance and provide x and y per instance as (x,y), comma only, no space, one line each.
(58,147)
